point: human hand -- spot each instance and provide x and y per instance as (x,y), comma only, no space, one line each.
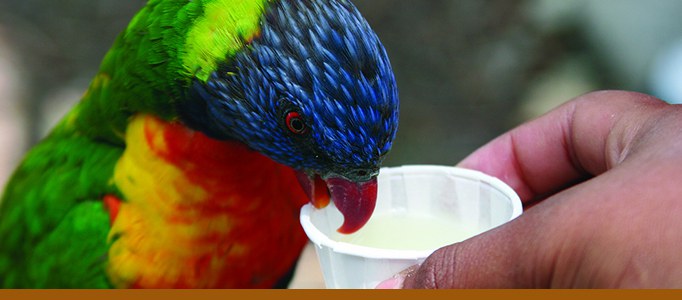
(600,173)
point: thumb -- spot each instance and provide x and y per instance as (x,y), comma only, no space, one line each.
(506,257)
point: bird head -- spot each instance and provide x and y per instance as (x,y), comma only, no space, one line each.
(313,89)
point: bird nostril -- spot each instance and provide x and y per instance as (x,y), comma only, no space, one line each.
(361,174)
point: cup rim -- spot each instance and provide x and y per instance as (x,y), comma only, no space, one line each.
(320,239)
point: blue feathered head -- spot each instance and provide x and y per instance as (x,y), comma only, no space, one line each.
(314,91)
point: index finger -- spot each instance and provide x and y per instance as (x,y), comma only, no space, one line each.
(578,140)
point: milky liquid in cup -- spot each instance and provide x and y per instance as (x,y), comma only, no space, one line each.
(409,232)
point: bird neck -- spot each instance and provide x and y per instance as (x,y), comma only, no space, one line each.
(152,63)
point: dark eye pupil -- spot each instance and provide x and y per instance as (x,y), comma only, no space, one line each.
(295,123)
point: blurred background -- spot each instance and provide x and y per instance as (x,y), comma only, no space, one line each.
(467,70)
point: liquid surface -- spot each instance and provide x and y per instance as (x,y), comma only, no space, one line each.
(409,232)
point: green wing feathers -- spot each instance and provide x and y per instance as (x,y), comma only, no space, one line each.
(53,199)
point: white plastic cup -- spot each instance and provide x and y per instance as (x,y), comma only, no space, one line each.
(475,200)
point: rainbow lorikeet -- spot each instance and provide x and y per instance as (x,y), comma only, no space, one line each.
(180,165)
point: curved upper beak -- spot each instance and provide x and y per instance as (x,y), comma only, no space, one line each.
(354,199)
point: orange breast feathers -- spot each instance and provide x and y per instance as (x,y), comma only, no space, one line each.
(200,213)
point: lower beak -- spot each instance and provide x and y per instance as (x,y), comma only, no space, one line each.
(355,200)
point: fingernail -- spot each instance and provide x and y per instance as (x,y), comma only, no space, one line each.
(395,282)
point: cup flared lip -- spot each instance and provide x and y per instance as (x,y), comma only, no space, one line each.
(322,240)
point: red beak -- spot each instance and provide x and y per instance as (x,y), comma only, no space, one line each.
(355,200)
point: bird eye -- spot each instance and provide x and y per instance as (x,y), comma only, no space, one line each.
(295,123)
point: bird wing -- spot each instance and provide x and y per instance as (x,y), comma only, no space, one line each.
(53,223)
